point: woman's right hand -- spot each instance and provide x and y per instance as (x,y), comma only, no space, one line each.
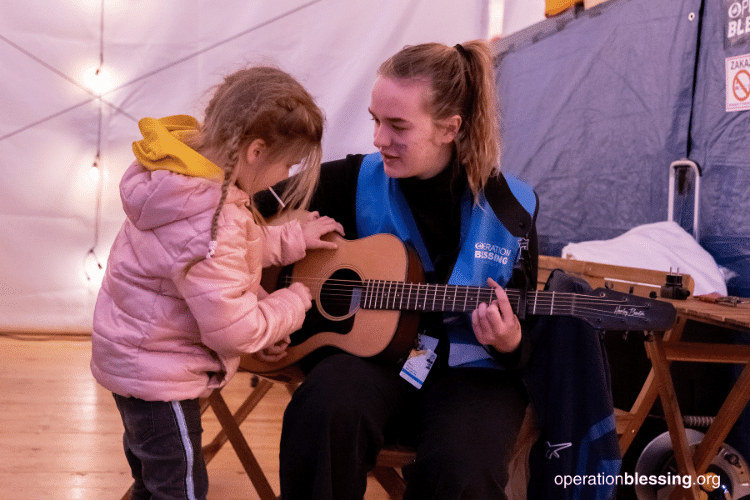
(303,292)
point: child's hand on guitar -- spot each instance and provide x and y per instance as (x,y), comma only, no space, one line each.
(303,292)
(276,352)
(314,227)
(496,324)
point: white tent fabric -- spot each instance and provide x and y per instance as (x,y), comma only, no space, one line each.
(58,218)
(520,14)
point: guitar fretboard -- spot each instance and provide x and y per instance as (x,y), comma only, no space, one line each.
(604,309)
(398,295)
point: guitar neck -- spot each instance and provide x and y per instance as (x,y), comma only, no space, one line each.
(602,308)
(426,297)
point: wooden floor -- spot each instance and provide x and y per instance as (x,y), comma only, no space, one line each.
(61,434)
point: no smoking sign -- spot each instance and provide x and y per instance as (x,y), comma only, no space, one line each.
(738,83)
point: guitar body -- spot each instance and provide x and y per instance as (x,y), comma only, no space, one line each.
(335,318)
(368,294)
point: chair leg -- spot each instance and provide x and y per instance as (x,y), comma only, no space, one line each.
(211,449)
(235,436)
(126,496)
(390,480)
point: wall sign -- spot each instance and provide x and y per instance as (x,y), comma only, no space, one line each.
(738,83)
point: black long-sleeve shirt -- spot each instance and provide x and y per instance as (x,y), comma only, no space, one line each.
(435,204)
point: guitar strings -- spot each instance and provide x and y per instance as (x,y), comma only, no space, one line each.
(429,290)
(340,291)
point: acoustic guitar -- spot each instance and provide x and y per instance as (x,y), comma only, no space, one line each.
(368,295)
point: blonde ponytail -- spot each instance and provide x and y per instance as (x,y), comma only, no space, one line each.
(461,80)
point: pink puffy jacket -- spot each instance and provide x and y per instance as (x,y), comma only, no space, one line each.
(163,334)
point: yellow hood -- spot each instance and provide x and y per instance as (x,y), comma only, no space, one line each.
(163,147)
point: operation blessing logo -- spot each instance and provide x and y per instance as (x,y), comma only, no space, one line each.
(491,252)
(738,22)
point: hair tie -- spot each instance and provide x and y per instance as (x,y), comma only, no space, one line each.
(461,50)
(211,249)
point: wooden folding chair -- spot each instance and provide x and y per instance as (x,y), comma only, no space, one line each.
(230,431)
(390,460)
(638,281)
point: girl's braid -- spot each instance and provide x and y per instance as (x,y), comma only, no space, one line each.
(233,155)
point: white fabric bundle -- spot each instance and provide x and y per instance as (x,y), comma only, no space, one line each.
(661,246)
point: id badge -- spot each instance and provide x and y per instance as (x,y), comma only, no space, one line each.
(420,361)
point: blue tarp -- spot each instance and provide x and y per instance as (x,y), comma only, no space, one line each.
(720,140)
(596,104)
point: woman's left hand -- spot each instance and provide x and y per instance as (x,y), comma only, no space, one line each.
(496,324)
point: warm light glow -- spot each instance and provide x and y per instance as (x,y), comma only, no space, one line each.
(99,80)
(93,175)
(90,173)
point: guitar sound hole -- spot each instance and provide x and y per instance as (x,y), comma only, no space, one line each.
(340,294)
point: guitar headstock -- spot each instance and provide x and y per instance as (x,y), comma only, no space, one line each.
(613,310)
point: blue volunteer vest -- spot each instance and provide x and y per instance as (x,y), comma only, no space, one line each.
(487,249)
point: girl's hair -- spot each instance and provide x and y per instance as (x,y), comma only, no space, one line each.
(461,82)
(263,103)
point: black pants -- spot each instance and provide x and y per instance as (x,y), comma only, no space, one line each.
(463,422)
(162,443)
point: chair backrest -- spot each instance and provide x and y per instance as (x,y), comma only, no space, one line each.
(633,280)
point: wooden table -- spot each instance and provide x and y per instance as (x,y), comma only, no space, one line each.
(665,347)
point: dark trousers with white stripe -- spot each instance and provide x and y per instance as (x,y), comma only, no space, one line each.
(162,443)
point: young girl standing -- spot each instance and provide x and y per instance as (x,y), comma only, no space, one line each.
(181,299)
